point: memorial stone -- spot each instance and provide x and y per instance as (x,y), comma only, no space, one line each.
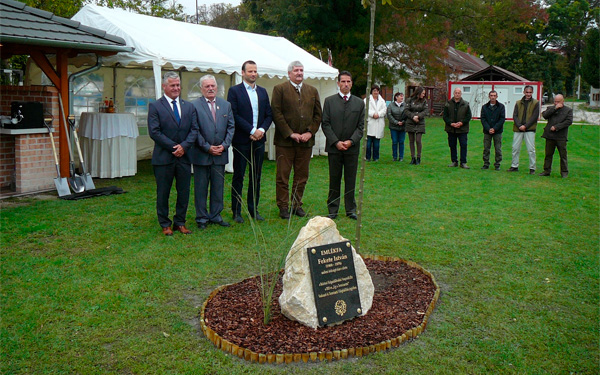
(297,300)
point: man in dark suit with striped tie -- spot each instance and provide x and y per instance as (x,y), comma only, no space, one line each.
(173,125)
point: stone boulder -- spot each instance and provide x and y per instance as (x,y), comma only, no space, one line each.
(297,300)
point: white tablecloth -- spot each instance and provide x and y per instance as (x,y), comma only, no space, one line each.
(108,142)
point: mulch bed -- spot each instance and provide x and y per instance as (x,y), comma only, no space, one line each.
(403,299)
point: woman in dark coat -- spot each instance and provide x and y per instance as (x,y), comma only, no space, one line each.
(396,118)
(415,112)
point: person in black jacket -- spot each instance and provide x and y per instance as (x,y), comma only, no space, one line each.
(559,119)
(493,115)
(343,125)
(457,114)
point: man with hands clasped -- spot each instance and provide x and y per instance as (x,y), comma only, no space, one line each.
(343,125)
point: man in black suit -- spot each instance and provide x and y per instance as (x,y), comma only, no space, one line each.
(173,125)
(210,152)
(253,117)
(343,125)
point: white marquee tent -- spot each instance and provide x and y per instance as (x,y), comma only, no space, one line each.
(162,44)
(165,43)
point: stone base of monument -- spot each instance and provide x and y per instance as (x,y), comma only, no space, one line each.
(404,297)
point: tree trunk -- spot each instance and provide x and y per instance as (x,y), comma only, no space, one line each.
(361,183)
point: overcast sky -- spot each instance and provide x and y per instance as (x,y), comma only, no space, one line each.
(189,5)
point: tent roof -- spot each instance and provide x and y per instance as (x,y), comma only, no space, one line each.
(25,26)
(191,46)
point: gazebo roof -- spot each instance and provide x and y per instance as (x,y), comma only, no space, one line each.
(24,27)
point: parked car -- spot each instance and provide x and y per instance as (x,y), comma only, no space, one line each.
(545,97)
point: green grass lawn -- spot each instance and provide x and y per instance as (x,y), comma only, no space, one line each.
(93,287)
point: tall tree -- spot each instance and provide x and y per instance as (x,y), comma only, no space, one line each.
(61,8)
(590,64)
(68,8)
(567,22)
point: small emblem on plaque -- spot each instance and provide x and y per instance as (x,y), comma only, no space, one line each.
(324,319)
(340,307)
(314,251)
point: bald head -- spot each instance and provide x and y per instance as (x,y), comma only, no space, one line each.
(559,101)
(457,94)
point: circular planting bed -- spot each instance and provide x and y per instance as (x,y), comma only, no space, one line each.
(405,295)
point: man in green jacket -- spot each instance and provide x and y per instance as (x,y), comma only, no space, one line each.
(525,117)
(457,114)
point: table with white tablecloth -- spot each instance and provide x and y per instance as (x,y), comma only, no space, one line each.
(108,142)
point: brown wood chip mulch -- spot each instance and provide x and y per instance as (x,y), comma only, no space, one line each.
(403,295)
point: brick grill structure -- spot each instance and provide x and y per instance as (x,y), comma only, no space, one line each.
(26,161)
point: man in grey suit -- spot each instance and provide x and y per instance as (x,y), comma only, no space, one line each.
(210,154)
(173,125)
(343,125)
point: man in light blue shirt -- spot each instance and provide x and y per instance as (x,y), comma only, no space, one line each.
(253,117)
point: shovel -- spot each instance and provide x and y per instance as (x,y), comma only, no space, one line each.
(75,181)
(87,178)
(62,187)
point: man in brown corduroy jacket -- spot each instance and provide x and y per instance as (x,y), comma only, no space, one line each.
(297,115)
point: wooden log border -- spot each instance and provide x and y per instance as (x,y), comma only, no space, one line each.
(251,356)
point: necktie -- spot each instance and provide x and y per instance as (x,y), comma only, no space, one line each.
(345,98)
(176,112)
(213,110)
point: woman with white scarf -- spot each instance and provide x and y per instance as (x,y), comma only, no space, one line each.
(375,123)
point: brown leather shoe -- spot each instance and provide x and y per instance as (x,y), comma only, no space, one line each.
(284,213)
(167,231)
(182,229)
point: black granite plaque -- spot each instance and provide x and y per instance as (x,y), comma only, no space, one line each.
(334,282)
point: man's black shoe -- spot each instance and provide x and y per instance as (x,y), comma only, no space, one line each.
(238,218)
(221,223)
(257,216)
(202,225)
(332,216)
(513,169)
(352,216)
